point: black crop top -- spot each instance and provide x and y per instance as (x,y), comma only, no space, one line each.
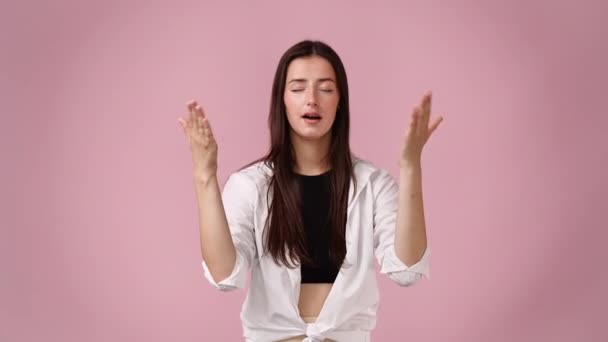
(315,210)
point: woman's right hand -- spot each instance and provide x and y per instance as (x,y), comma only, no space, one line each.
(202,143)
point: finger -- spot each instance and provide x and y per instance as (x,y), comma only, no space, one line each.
(424,114)
(191,104)
(208,132)
(435,124)
(207,126)
(192,119)
(419,115)
(206,138)
(200,130)
(199,111)
(184,125)
(427,109)
(414,121)
(206,129)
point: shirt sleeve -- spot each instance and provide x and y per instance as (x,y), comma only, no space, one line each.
(386,198)
(238,197)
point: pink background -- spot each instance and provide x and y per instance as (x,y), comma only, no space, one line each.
(99,235)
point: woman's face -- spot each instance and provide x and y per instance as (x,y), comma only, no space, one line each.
(311,97)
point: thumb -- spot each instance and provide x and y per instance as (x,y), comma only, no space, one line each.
(184,129)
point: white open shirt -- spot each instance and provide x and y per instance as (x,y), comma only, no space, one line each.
(270,311)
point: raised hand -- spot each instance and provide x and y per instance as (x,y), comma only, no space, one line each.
(418,131)
(202,142)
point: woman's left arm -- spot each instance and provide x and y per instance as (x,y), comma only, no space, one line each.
(410,232)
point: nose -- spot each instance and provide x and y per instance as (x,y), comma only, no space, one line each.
(311,98)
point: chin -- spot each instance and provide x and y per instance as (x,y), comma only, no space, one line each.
(317,135)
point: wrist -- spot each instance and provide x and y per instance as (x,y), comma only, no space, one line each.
(204,179)
(410,165)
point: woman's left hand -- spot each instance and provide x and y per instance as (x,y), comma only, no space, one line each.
(418,132)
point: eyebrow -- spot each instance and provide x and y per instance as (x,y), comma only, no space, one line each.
(319,80)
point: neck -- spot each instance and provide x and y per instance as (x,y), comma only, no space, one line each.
(311,156)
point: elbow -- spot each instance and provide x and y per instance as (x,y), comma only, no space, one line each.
(218,275)
(400,273)
(225,279)
(221,282)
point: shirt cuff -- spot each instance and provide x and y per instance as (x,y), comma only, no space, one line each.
(396,268)
(236,280)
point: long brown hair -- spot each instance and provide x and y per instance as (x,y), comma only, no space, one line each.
(284,230)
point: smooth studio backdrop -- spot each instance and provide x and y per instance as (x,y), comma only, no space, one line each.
(99,226)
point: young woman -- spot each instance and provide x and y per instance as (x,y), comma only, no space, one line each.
(308,218)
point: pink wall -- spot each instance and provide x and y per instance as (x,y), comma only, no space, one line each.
(99,238)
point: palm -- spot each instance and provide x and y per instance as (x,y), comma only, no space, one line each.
(201,139)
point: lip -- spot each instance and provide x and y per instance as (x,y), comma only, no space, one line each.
(311,121)
(312,113)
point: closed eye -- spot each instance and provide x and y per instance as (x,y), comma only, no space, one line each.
(323,90)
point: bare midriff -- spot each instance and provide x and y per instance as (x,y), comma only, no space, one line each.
(312,298)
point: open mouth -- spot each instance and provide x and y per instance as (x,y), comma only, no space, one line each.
(311,117)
